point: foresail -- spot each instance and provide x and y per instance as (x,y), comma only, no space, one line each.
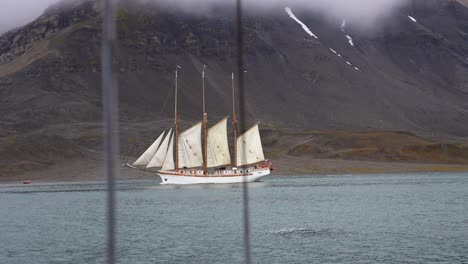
(190,147)
(158,158)
(168,163)
(146,157)
(217,146)
(249,147)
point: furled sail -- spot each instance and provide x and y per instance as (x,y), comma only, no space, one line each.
(190,147)
(217,146)
(146,157)
(158,158)
(249,147)
(168,163)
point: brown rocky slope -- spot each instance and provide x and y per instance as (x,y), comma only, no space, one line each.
(412,77)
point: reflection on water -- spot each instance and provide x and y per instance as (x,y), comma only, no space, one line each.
(45,187)
(340,219)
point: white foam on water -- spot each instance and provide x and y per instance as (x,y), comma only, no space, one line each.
(356,68)
(349,63)
(306,28)
(413,19)
(289,231)
(332,50)
(302,232)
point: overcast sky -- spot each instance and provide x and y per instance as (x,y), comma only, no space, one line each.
(14,13)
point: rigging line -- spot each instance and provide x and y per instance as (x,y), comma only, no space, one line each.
(240,73)
(159,115)
(111,120)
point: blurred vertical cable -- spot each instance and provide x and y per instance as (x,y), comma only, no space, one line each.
(111,119)
(111,125)
(240,73)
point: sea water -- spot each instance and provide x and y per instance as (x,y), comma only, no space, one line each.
(385,218)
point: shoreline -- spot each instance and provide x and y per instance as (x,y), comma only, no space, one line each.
(77,155)
(89,170)
(146,179)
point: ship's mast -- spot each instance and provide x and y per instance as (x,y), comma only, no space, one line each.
(176,122)
(234,124)
(205,121)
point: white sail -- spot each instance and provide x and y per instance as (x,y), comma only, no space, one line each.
(249,147)
(168,163)
(146,157)
(217,146)
(158,158)
(190,147)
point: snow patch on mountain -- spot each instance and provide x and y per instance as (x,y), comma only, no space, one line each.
(343,29)
(306,29)
(413,19)
(340,56)
(343,25)
(350,40)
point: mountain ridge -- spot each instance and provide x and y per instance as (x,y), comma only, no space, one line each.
(406,76)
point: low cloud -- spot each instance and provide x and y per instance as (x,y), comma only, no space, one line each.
(363,13)
(15,13)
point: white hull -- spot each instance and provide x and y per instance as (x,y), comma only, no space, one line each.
(171,177)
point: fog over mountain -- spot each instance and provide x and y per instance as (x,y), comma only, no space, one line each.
(15,13)
(364,13)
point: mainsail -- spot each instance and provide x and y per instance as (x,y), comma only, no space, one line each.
(158,158)
(190,147)
(146,157)
(218,149)
(168,163)
(249,147)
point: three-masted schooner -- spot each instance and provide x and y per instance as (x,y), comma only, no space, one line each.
(184,158)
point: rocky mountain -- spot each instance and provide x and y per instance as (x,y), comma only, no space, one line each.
(409,74)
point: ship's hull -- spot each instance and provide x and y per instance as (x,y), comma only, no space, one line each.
(172,177)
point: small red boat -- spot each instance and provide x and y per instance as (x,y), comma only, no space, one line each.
(26,182)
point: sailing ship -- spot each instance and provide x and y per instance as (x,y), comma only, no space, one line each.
(184,158)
